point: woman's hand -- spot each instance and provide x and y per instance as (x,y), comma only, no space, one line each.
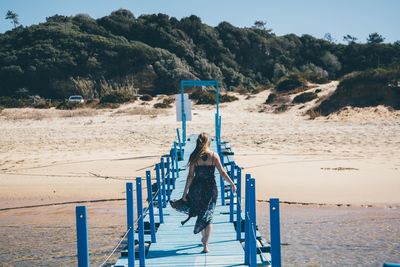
(234,188)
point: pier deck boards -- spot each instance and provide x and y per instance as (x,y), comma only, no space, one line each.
(177,245)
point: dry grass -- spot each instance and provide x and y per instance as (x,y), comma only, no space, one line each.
(313,114)
(40,114)
(136,111)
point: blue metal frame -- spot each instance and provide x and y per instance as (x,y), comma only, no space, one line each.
(239,204)
(82,236)
(140,223)
(151,208)
(159,194)
(275,232)
(131,224)
(191,83)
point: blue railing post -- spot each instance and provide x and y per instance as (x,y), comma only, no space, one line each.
(231,198)
(162,168)
(239,204)
(151,207)
(179,143)
(216,130)
(82,236)
(159,192)
(252,230)
(169,178)
(173,168)
(391,264)
(176,161)
(222,183)
(275,232)
(139,200)
(247,221)
(131,224)
(231,210)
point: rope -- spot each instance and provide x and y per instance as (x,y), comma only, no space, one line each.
(115,248)
(254,234)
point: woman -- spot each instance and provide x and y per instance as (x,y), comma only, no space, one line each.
(200,193)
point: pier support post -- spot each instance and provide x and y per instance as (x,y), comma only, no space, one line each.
(162,167)
(176,161)
(151,207)
(159,192)
(231,198)
(179,143)
(222,184)
(231,204)
(275,232)
(139,200)
(252,230)
(131,224)
(172,154)
(82,236)
(168,178)
(247,221)
(239,204)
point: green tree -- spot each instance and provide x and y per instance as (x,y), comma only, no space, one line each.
(11,15)
(349,39)
(375,38)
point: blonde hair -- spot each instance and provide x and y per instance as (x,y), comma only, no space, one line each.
(201,146)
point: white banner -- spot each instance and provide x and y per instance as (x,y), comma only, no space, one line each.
(188,107)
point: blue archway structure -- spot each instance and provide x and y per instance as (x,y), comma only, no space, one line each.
(191,83)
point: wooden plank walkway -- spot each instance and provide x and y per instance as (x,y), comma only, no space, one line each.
(177,245)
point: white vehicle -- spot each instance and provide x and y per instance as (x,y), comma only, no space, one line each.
(76,99)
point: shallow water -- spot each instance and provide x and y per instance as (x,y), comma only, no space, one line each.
(333,236)
(312,235)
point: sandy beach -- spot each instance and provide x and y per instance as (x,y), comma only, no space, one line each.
(348,161)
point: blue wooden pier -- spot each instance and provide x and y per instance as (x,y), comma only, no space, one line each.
(157,238)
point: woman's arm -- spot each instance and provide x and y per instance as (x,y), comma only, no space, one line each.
(223,173)
(188,181)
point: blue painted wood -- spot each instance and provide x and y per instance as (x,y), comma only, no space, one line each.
(390,264)
(178,246)
(231,205)
(275,232)
(173,168)
(82,236)
(252,225)
(179,142)
(222,190)
(131,224)
(176,160)
(247,221)
(189,83)
(151,207)
(140,223)
(159,194)
(162,169)
(168,178)
(239,204)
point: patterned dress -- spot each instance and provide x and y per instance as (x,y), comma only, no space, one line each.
(202,196)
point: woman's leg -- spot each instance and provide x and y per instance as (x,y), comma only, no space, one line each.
(206,237)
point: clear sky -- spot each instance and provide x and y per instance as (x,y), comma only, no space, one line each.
(316,17)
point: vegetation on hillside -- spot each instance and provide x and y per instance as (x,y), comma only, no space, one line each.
(150,54)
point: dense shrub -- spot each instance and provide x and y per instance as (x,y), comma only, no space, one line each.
(146,97)
(166,103)
(117,97)
(304,97)
(364,89)
(223,98)
(271,98)
(290,83)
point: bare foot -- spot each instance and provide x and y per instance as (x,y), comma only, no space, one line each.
(205,249)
